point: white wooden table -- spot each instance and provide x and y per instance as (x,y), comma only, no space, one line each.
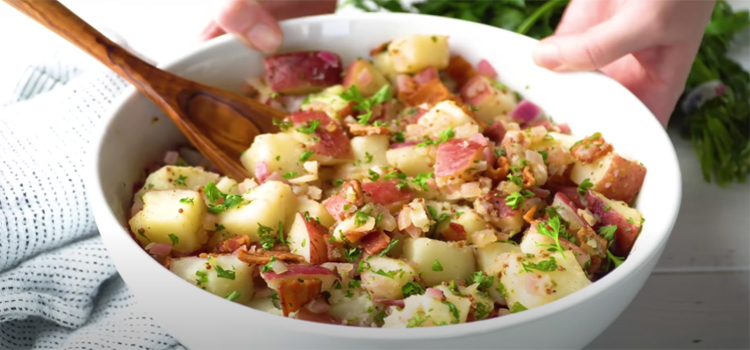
(699,294)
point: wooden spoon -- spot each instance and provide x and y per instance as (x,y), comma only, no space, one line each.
(219,123)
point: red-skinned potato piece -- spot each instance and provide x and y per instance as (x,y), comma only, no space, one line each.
(454,158)
(486,98)
(568,211)
(612,175)
(332,145)
(294,294)
(365,77)
(610,212)
(304,272)
(387,194)
(460,70)
(303,72)
(571,192)
(495,132)
(494,208)
(307,238)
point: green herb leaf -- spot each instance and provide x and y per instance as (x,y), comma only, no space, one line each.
(233,296)
(174,238)
(584,187)
(608,232)
(187,200)
(517,307)
(309,127)
(436,266)
(306,155)
(412,288)
(221,273)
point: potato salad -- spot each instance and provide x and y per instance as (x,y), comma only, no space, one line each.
(410,188)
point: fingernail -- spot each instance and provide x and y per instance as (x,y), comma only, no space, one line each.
(264,38)
(547,55)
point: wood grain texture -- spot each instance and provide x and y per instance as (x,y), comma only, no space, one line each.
(220,124)
(684,311)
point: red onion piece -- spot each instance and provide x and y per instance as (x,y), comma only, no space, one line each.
(137,206)
(434,293)
(275,176)
(329,57)
(413,231)
(261,171)
(526,111)
(170,158)
(486,69)
(160,249)
(388,302)
(318,306)
(564,128)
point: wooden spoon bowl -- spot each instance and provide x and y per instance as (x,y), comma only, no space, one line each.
(219,123)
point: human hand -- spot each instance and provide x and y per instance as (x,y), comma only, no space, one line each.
(646,45)
(254,21)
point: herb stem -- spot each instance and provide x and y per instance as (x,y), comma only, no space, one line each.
(529,21)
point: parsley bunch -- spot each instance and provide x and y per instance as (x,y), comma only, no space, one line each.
(214,194)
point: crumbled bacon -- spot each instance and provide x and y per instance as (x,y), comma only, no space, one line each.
(262,257)
(232,244)
(381,48)
(293,295)
(454,232)
(357,129)
(336,250)
(528,178)
(529,216)
(375,242)
(460,70)
(591,148)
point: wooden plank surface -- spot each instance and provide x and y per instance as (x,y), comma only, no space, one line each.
(685,311)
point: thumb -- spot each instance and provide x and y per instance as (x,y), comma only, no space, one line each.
(593,49)
(251,23)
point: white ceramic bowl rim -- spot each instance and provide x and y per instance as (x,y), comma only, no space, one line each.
(612,280)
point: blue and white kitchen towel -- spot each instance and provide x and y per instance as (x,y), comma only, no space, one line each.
(58,287)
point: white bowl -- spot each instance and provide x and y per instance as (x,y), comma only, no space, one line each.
(589,102)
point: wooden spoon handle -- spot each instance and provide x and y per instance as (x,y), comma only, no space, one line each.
(57,18)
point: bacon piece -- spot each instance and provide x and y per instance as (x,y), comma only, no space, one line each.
(354,236)
(262,257)
(454,232)
(591,148)
(333,142)
(381,48)
(426,75)
(232,244)
(387,194)
(307,315)
(375,242)
(336,250)
(460,70)
(528,178)
(405,85)
(357,129)
(430,93)
(597,254)
(495,132)
(454,158)
(346,201)
(293,295)
(485,68)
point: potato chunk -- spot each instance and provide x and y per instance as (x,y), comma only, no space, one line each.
(279,152)
(412,160)
(492,101)
(438,119)
(531,287)
(172,217)
(439,261)
(384,64)
(222,275)
(353,305)
(170,177)
(384,277)
(425,311)
(369,151)
(330,102)
(269,204)
(612,175)
(365,77)
(316,210)
(416,52)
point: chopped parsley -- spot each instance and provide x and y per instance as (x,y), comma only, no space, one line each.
(267,238)
(389,274)
(373,175)
(412,288)
(435,216)
(584,187)
(309,127)
(281,234)
(180,180)
(368,158)
(517,199)
(267,267)
(203,277)
(552,228)
(174,238)
(544,265)
(142,233)
(482,311)
(233,296)
(454,311)
(499,152)
(214,194)
(365,104)
(421,180)
(289,175)
(352,254)
(306,155)
(608,232)
(615,259)
(338,182)
(444,136)
(221,273)
(187,200)
(399,137)
(388,248)
(304,242)
(484,281)
(436,266)
(360,218)
(416,321)
(544,155)
(219,228)
(401,184)
(394,174)
(501,288)
(517,307)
